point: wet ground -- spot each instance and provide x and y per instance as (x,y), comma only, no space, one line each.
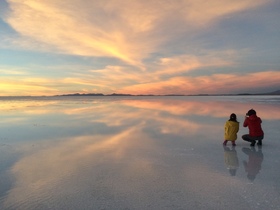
(136,153)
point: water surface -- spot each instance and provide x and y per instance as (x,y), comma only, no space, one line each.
(136,153)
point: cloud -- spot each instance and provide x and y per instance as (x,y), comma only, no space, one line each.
(12,72)
(163,68)
(90,29)
(128,30)
(31,86)
(202,12)
(161,81)
(216,83)
(185,63)
(137,35)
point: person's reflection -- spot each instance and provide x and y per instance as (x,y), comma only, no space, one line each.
(231,160)
(253,165)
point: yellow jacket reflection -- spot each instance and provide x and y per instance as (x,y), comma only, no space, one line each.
(231,160)
(231,130)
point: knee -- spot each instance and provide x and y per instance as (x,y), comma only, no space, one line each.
(246,137)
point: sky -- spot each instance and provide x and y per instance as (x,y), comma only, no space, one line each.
(139,47)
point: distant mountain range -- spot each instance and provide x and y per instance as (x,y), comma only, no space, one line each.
(277,92)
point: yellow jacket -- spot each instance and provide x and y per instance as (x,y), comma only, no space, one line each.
(231,130)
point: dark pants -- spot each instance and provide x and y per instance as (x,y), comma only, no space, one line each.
(253,139)
(249,138)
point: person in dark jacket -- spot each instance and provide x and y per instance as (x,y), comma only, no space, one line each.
(253,122)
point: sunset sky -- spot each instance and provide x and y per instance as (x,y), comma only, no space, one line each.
(50,47)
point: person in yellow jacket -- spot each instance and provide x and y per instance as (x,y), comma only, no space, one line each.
(231,130)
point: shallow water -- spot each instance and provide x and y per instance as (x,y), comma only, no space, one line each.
(136,153)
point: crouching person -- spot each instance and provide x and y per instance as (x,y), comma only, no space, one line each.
(231,130)
(253,122)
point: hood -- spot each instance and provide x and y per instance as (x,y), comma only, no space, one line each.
(253,117)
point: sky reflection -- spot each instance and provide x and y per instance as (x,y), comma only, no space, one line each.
(86,151)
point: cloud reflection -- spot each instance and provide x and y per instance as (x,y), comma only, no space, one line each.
(152,140)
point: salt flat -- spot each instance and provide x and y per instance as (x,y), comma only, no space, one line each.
(136,153)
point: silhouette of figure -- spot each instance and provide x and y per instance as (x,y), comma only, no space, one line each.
(231,160)
(253,165)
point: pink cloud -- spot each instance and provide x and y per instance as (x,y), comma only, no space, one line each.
(217,83)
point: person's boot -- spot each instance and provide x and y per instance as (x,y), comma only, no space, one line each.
(259,143)
(225,143)
(253,142)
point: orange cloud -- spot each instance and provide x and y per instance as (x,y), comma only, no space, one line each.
(130,31)
(115,78)
(127,30)
(185,63)
(217,83)
(26,87)
(71,31)
(202,12)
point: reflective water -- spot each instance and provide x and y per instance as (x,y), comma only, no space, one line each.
(136,153)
